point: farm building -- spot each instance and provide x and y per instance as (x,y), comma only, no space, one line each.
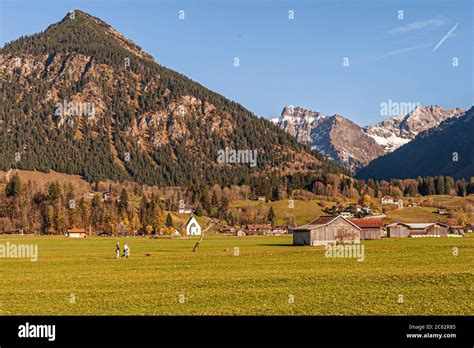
(192,227)
(258,229)
(279,230)
(229,230)
(402,229)
(76,233)
(325,230)
(240,233)
(387,200)
(456,229)
(369,228)
(390,200)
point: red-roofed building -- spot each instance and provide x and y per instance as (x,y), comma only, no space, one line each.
(369,228)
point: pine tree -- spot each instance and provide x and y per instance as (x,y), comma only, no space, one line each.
(169,220)
(13,188)
(271,217)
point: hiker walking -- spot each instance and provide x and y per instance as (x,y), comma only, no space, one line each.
(117,251)
(126,251)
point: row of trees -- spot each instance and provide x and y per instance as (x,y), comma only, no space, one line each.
(57,208)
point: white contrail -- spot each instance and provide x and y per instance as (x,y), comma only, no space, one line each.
(448,34)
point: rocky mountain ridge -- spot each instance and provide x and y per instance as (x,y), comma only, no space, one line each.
(352,145)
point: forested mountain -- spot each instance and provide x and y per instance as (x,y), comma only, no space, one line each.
(445,150)
(81,98)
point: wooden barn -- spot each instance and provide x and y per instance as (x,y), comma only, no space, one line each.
(403,229)
(369,228)
(325,230)
(397,229)
(76,233)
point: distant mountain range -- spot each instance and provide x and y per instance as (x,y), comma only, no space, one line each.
(354,146)
(81,98)
(447,149)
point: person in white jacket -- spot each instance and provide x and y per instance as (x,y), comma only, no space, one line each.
(126,251)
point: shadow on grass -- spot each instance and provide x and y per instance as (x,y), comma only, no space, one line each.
(276,245)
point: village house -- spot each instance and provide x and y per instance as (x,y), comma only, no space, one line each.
(456,229)
(403,229)
(192,227)
(258,229)
(229,230)
(108,196)
(240,233)
(325,230)
(184,209)
(387,200)
(369,228)
(76,233)
(279,230)
(17,231)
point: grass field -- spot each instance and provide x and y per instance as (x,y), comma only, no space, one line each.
(267,273)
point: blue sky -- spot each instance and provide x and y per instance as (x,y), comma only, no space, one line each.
(293,61)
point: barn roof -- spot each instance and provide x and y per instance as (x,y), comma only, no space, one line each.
(368,223)
(323,220)
(76,230)
(417,226)
(257,226)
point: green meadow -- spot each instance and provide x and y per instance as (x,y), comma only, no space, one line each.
(261,275)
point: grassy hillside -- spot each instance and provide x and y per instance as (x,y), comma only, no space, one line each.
(40,180)
(415,214)
(303,211)
(259,281)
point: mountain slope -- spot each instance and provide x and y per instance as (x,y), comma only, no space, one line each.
(445,150)
(353,146)
(335,136)
(80,98)
(399,130)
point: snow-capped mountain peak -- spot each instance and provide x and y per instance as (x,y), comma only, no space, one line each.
(354,146)
(401,129)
